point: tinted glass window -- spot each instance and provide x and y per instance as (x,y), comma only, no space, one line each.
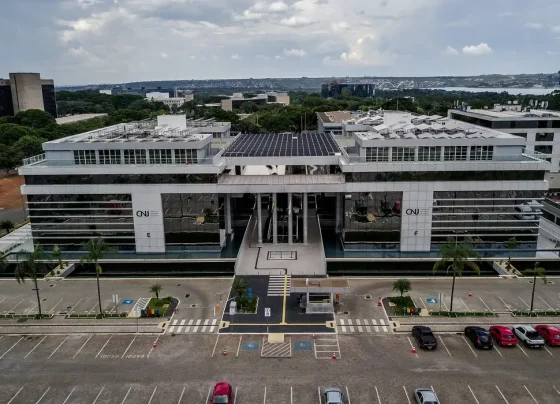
(532,334)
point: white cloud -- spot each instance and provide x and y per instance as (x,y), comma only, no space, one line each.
(480,49)
(555,29)
(236,57)
(163,55)
(263,57)
(450,51)
(339,26)
(192,57)
(278,57)
(295,52)
(296,21)
(278,6)
(248,15)
(507,14)
(534,25)
(551,53)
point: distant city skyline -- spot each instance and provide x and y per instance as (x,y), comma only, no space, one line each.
(113,41)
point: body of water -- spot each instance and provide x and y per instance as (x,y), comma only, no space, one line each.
(514,91)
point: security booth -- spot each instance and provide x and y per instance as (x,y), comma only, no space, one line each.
(318,295)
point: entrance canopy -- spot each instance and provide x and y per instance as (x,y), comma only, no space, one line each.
(319,285)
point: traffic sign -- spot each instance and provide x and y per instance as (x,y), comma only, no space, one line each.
(127,301)
(267,311)
(431,300)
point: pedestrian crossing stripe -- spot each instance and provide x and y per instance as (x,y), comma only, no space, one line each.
(276,285)
(193,326)
(361,325)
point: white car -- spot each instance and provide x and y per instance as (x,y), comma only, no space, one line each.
(425,396)
(529,336)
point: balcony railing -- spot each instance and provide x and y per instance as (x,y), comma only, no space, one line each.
(40,160)
(34,160)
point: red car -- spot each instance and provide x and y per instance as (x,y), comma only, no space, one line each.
(550,334)
(223,393)
(503,335)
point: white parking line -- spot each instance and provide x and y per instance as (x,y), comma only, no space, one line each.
(128,347)
(152,348)
(484,303)
(29,310)
(502,394)
(264,398)
(378,398)
(554,387)
(291,395)
(54,307)
(444,305)
(152,396)
(348,395)
(15,395)
(2,301)
(470,347)
(100,391)
(475,399)
(423,304)
(239,346)
(53,352)
(497,350)
(319,394)
(103,346)
(93,308)
(216,344)
(413,301)
(406,394)
(524,302)
(32,349)
(505,304)
(441,339)
(210,390)
(126,395)
(522,350)
(40,398)
(235,396)
(67,398)
(82,346)
(465,304)
(549,306)
(181,396)
(10,348)
(412,347)
(13,308)
(548,350)
(534,399)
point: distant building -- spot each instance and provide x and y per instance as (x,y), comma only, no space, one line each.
(108,92)
(271,97)
(23,91)
(167,100)
(77,118)
(334,89)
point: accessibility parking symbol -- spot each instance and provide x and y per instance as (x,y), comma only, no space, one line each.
(250,346)
(431,300)
(127,301)
(302,346)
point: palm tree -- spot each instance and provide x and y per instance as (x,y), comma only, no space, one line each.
(511,245)
(536,271)
(156,289)
(7,225)
(402,285)
(32,265)
(240,286)
(459,256)
(57,255)
(96,248)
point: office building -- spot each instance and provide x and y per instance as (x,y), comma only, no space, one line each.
(167,100)
(335,89)
(27,91)
(270,97)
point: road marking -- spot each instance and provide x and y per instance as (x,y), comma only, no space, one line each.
(291,395)
(264,398)
(534,399)
(319,394)
(502,394)
(497,350)
(180,328)
(406,394)
(52,309)
(29,310)
(368,328)
(75,305)
(547,350)
(13,308)
(350,325)
(359,324)
(2,301)
(424,304)
(214,321)
(378,398)
(505,304)
(284,300)
(152,348)
(10,348)
(382,322)
(210,390)
(475,399)
(412,347)
(92,309)
(214,350)
(342,326)
(40,398)
(524,302)
(205,325)
(348,395)
(441,339)
(239,346)
(195,328)
(15,395)
(103,346)
(554,387)
(522,350)
(549,306)
(67,398)
(100,391)
(375,327)
(128,347)
(189,324)
(153,393)
(32,349)
(235,396)
(126,395)
(53,352)
(181,396)
(444,305)
(484,303)
(469,345)
(465,304)
(83,346)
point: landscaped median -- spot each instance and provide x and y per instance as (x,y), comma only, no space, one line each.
(537,313)
(33,316)
(97,316)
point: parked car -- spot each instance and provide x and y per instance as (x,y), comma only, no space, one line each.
(525,212)
(425,396)
(223,393)
(480,338)
(333,395)
(424,336)
(550,334)
(504,336)
(529,336)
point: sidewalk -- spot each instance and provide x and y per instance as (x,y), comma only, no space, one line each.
(78,326)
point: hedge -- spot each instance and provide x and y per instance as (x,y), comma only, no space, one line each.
(96,315)
(35,316)
(536,313)
(463,314)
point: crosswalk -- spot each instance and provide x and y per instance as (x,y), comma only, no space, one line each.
(276,285)
(193,326)
(362,325)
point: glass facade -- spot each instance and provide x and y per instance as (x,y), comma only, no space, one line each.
(84,157)
(109,157)
(482,152)
(49,99)
(375,154)
(445,176)
(403,154)
(544,137)
(546,149)
(429,153)
(455,153)
(135,156)
(87,179)
(161,156)
(70,220)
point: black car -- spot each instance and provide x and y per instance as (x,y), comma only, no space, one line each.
(480,337)
(424,336)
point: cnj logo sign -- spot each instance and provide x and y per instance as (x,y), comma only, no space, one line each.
(143,213)
(417,212)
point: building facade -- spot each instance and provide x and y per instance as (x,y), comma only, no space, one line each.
(270,97)
(335,89)
(25,91)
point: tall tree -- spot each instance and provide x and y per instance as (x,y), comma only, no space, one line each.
(7,225)
(458,256)
(156,289)
(511,245)
(35,118)
(32,265)
(537,271)
(402,286)
(240,285)
(96,248)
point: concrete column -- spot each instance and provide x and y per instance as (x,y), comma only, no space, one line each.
(274,219)
(228,214)
(305,218)
(259,218)
(290,229)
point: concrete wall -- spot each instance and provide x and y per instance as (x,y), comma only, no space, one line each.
(27,92)
(416,219)
(148,222)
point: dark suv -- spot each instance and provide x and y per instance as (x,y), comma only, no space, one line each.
(480,338)
(424,336)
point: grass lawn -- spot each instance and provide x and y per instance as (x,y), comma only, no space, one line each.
(159,304)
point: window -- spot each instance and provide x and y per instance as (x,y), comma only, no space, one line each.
(188,156)
(548,216)
(455,153)
(377,154)
(109,157)
(403,154)
(160,156)
(544,149)
(482,152)
(84,157)
(135,156)
(544,137)
(429,153)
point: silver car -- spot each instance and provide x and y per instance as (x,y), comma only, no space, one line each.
(333,395)
(425,396)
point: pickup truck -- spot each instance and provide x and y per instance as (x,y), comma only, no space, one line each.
(529,336)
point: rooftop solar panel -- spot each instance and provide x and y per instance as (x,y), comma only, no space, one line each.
(283,145)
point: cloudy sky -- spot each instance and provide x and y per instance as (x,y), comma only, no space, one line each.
(107,41)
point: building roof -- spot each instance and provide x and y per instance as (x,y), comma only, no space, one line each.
(77,118)
(532,114)
(335,116)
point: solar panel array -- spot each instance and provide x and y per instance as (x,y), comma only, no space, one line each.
(283,144)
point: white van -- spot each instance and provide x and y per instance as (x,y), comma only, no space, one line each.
(525,212)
